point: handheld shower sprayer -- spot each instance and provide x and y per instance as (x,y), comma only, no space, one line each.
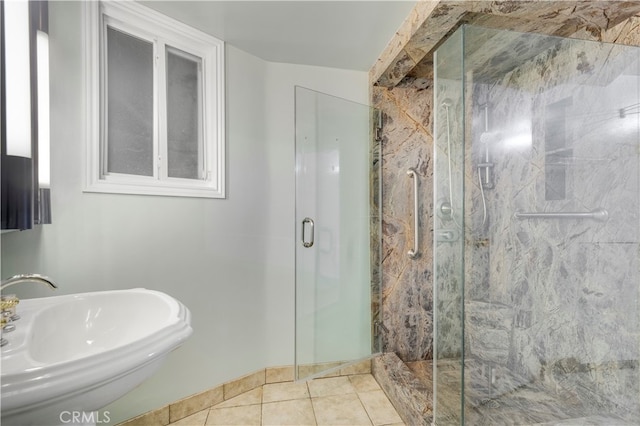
(485,180)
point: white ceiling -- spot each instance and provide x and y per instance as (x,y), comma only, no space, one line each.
(339,34)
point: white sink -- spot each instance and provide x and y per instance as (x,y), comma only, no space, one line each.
(80,352)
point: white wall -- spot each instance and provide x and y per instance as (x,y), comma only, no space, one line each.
(279,111)
(230,261)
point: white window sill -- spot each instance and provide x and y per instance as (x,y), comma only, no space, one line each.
(164,190)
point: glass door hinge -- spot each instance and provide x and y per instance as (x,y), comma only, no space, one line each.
(379,326)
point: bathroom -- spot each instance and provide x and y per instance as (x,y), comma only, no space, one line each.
(231,261)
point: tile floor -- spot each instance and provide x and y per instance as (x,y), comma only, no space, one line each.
(345,400)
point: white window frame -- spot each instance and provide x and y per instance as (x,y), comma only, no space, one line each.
(147,24)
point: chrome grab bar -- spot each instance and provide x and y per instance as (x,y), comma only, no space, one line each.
(416,242)
(310,222)
(599,214)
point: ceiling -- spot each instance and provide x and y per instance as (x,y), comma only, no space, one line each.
(339,34)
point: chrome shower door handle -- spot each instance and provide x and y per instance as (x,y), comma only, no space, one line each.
(305,221)
(416,242)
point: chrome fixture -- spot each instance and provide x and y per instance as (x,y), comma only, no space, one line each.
(8,315)
(8,303)
(3,325)
(485,180)
(379,326)
(447,235)
(305,221)
(413,253)
(599,214)
(8,309)
(24,278)
(484,199)
(443,209)
(486,165)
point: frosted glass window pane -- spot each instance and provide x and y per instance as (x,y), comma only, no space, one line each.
(129,104)
(184,114)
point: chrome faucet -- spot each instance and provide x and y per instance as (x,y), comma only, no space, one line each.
(23,278)
(8,303)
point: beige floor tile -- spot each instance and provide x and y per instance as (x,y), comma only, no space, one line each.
(312,369)
(295,412)
(244,384)
(343,409)
(279,374)
(348,400)
(362,367)
(379,408)
(364,383)
(246,415)
(155,417)
(197,419)
(248,398)
(284,392)
(330,386)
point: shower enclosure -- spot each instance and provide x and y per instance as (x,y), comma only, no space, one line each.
(536,191)
(335,298)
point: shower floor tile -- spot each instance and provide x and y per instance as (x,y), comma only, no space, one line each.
(346,400)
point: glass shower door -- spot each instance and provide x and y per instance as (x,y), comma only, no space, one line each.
(537,185)
(333,225)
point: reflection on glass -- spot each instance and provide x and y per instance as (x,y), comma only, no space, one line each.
(184,114)
(333,276)
(537,319)
(129,104)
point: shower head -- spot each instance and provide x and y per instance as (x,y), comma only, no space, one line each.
(447,103)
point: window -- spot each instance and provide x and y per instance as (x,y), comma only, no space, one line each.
(155,104)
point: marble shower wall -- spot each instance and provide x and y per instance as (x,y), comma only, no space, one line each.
(402,80)
(558,302)
(407,295)
(576,265)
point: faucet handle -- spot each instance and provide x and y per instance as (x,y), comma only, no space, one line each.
(6,323)
(8,302)
(3,324)
(8,307)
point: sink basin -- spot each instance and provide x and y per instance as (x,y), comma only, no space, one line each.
(80,352)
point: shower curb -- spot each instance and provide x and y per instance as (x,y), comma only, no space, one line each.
(411,398)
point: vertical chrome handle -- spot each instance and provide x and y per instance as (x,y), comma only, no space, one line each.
(304,240)
(416,242)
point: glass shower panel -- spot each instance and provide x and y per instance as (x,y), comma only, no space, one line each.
(448,316)
(550,331)
(333,225)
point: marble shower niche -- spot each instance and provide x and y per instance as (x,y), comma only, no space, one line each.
(536,296)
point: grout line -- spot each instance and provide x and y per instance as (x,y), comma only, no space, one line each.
(208,414)
(262,398)
(313,408)
(365,409)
